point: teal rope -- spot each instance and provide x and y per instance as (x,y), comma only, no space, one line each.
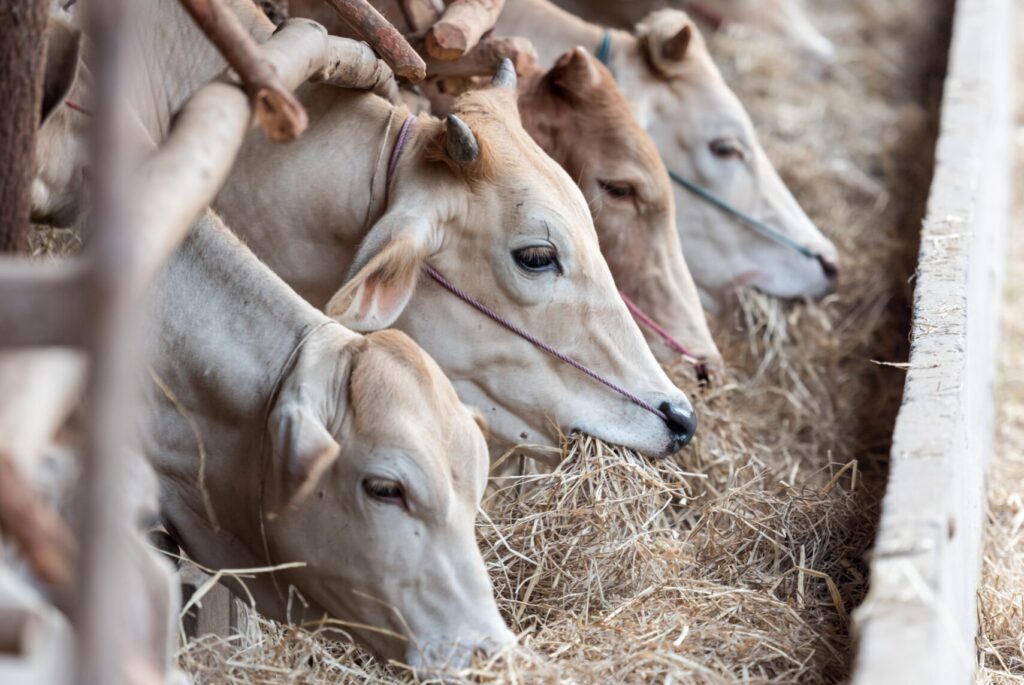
(761,227)
(603,54)
(604,48)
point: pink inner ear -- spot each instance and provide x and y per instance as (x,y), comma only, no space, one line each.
(387,299)
(365,301)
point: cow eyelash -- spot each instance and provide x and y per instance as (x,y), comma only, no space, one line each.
(618,191)
(727,148)
(538,259)
(384,490)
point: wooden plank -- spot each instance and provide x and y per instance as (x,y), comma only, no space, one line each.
(918,622)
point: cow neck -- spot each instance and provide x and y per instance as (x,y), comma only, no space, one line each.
(551,29)
(238,331)
(174,58)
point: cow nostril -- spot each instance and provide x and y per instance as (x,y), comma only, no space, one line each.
(682,422)
(830,268)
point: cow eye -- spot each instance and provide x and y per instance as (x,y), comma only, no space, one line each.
(618,191)
(727,148)
(384,490)
(537,259)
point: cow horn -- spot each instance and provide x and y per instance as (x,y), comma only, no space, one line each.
(460,142)
(505,75)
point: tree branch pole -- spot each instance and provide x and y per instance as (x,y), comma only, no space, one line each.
(382,37)
(483,59)
(461,26)
(22,58)
(277,109)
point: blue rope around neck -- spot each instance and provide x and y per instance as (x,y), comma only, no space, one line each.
(604,48)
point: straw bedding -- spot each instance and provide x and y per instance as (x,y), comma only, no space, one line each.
(741,559)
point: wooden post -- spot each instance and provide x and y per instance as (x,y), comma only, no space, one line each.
(22,57)
(103,652)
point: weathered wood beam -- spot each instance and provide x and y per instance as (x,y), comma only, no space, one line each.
(382,37)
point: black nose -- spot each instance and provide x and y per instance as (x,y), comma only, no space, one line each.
(831,270)
(681,421)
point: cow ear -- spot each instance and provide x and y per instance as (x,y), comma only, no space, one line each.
(63,48)
(303,451)
(669,38)
(674,49)
(385,273)
(574,75)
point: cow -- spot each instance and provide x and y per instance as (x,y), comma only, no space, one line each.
(280,436)
(578,115)
(706,137)
(508,225)
(475,198)
(784,18)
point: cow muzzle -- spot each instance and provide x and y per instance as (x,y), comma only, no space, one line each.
(681,422)
(443,657)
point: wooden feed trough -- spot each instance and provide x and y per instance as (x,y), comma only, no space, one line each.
(918,623)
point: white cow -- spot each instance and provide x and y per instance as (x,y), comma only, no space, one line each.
(280,436)
(785,18)
(705,136)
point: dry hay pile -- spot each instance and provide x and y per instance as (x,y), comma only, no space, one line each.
(740,560)
(1001,592)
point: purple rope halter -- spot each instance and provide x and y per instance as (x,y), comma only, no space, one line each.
(501,320)
(403,137)
(536,342)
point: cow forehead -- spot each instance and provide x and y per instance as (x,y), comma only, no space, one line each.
(519,170)
(402,400)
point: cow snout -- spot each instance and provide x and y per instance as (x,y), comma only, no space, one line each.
(681,421)
(831,271)
(441,657)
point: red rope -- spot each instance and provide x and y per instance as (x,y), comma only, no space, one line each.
(77,107)
(646,319)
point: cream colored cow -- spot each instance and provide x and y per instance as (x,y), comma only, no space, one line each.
(704,135)
(280,436)
(477,199)
(508,225)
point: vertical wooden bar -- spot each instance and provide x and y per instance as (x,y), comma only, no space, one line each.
(22,56)
(103,649)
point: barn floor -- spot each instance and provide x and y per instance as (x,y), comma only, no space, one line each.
(742,561)
(1001,594)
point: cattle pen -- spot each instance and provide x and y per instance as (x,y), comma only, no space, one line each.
(826,523)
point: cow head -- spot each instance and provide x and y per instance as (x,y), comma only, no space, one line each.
(476,197)
(376,476)
(579,116)
(705,135)
(783,17)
